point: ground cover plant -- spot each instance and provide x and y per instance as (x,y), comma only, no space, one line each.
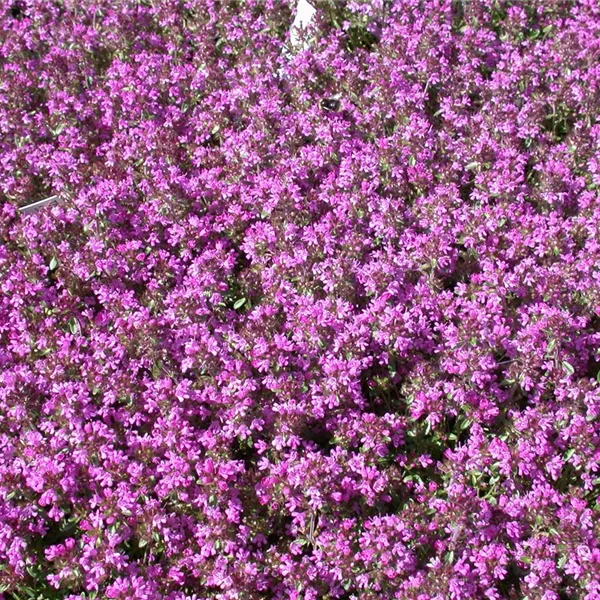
(308,322)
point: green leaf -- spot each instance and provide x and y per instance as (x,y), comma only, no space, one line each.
(59,129)
(239,303)
(568,367)
(157,369)
(74,326)
(472,165)
(412,161)
(53,263)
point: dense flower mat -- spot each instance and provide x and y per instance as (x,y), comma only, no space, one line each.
(308,324)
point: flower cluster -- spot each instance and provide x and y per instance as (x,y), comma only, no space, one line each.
(312,320)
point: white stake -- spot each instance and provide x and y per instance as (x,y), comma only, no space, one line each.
(35,206)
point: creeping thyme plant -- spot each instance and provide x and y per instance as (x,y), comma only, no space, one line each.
(313,320)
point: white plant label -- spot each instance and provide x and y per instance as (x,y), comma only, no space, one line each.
(305,13)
